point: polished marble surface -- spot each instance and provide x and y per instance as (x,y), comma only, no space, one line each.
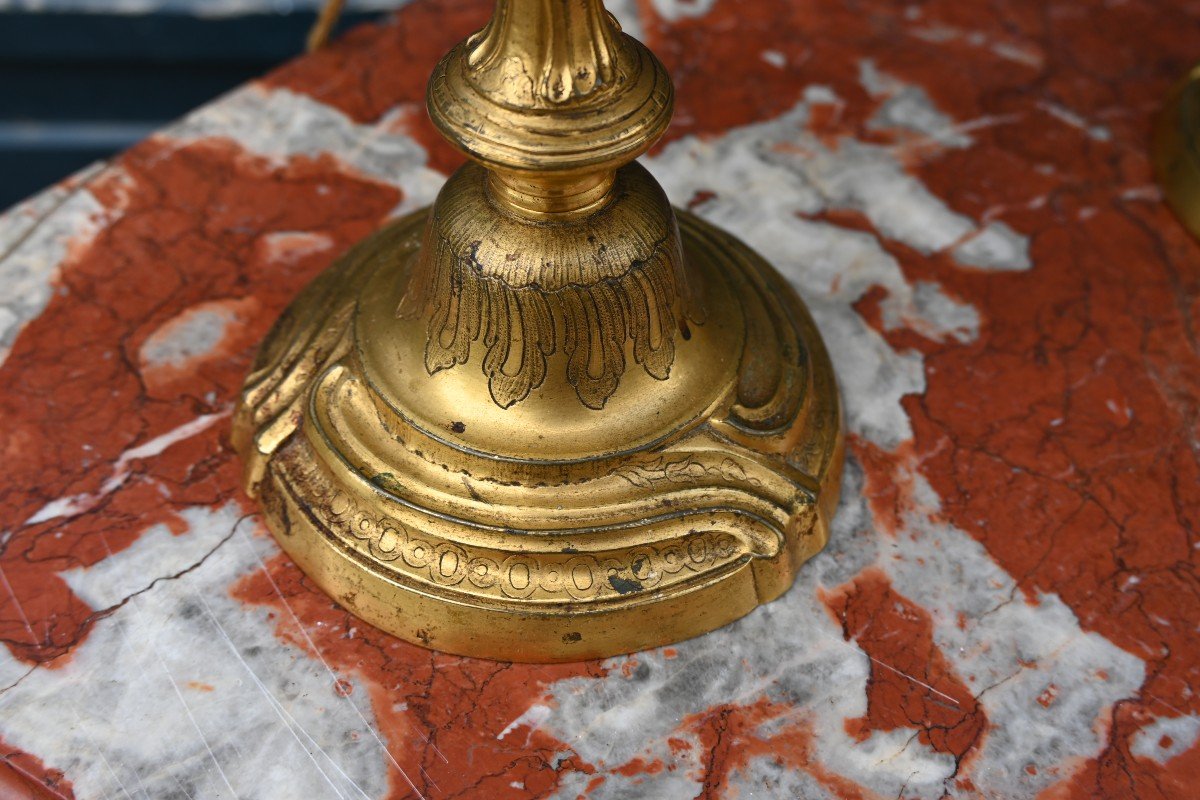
(961,193)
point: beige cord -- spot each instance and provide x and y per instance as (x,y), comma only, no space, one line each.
(318,37)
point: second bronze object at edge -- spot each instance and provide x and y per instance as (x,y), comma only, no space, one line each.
(550,418)
(1175,149)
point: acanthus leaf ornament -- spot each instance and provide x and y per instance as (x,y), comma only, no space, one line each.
(523,292)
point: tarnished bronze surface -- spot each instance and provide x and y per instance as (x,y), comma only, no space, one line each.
(550,418)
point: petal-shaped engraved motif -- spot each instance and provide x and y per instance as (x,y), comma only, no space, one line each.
(590,302)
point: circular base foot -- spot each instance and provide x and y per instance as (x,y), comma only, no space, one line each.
(390,486)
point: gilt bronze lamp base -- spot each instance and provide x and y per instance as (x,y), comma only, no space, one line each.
(550,418)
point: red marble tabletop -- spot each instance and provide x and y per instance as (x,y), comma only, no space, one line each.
(961,192)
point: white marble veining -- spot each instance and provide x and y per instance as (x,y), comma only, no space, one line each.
(764,194)
(35,238)
(278,123)
(1166,737)
(182,692)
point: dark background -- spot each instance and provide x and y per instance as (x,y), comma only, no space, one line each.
(77,87)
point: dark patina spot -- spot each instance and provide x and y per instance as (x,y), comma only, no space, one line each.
(623,585)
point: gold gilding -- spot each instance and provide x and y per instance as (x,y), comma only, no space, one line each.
(551,417)
(1176,150)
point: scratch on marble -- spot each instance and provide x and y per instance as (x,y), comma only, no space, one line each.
(103,758)
(20,610)
(289,722)
(321,657)
(99,751)
(183,788)
(914,680)
(1177,710)
(192,719)
(142,784)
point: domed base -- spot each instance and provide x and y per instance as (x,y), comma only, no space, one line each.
(546,531)
(1176,150)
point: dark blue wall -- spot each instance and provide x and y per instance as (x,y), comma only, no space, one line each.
(78,87)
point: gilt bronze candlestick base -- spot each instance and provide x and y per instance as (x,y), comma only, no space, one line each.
(550,418)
